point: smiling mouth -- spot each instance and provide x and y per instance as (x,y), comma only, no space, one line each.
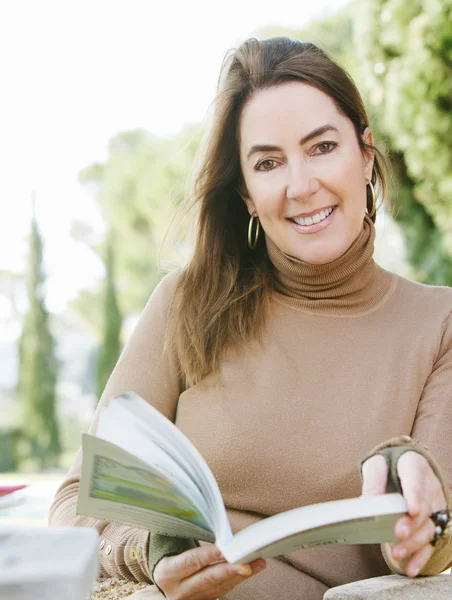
(313,219)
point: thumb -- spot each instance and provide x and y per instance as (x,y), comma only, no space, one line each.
(375,476)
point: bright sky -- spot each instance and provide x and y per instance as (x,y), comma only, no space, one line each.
(73,74)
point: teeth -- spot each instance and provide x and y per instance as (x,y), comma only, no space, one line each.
(315,218)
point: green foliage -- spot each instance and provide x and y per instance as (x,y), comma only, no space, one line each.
(37,367)
(88,305)
(333,34)
(112,320)
(424,244)
(9,438)
(137,190)
(406,47)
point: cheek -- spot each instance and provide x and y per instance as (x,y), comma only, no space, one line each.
(339,168)
(267,196)
(345,179)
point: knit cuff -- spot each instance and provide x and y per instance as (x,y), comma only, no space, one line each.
(392,450)
(161,546)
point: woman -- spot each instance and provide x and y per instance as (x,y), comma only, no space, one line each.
(282,350)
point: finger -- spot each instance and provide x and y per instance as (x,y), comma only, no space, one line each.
(258,565)
(419,560)
(411,473)
(232,583)
(405,526)
(375,476)
(418,539)
(413,465)
(176,568)
(418,486)
(216,579)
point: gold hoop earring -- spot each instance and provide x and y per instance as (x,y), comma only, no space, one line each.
(251,243)
(374,201)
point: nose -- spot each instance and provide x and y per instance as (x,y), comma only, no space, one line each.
(301,184)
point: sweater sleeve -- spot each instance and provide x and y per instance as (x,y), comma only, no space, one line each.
(145,368)
(432,429)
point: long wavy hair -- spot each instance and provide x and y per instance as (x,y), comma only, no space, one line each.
(221,296)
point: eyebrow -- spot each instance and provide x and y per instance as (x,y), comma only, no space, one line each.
(314,133)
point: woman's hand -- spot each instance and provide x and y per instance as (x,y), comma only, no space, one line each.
(423,494)
(192,576)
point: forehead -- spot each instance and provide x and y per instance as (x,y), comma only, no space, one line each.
(292,108)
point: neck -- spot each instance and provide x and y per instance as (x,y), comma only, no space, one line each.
(350,284)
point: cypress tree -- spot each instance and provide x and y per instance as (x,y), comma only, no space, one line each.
(110,346)
(37,365)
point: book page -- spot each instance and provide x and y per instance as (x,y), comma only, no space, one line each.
(172,441)
(117,486)
(352,521)
(128,437)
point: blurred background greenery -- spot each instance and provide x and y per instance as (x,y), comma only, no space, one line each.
(400,54)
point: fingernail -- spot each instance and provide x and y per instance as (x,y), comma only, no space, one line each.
(259,568)
(415,571)
(405,531)
(243,570)
(402,552)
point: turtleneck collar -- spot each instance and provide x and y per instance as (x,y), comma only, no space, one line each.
(351,284)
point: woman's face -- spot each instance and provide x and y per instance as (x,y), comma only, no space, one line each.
(300,158)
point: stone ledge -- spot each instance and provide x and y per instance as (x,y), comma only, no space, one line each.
(438,587)
(389,587)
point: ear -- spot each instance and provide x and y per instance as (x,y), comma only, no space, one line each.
(243,192)
(369,156)
(250,205)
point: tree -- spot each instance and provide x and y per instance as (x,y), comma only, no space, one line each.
(406,52)
(112,320)
(333,34)
(37,365)
(137,191)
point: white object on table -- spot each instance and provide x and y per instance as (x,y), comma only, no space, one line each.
(48,563)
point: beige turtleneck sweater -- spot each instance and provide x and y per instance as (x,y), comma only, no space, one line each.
(353,355)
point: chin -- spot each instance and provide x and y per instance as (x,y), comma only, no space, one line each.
(319,261)
(325,252)
(318,258)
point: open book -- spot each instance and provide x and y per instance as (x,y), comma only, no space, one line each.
(141,470)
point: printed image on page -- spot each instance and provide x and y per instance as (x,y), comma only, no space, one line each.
(116,482)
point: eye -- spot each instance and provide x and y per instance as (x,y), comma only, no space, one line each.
(327,147)
(266,161)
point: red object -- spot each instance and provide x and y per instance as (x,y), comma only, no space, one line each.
(9,489)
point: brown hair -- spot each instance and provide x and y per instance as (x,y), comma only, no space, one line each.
(221,297)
